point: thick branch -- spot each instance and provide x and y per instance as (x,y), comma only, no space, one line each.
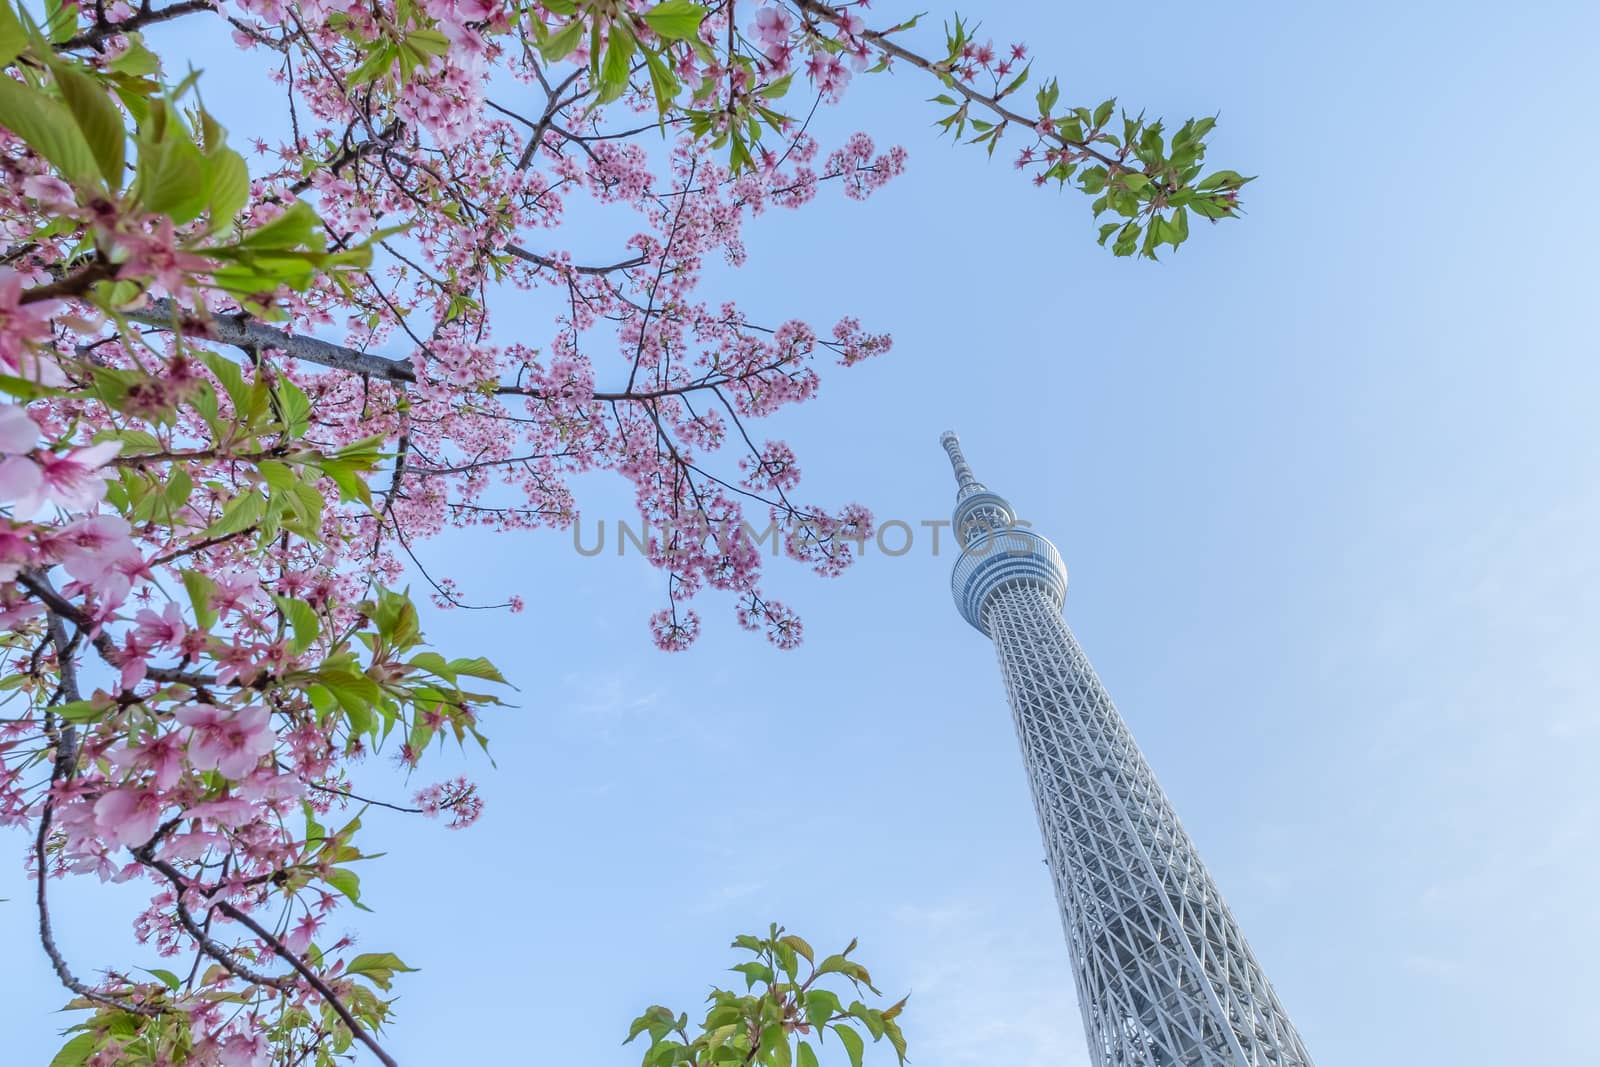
(72,285)
(138,21)
(244,332)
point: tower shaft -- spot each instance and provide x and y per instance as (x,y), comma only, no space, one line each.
(1164,976)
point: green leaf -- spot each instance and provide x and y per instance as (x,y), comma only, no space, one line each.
(852,970)
(134,442)
(787,959)
(753,972)
(378,967)
(871,1018)
(228,188)
(821,1005)
(378,63)
(853,1045)
(200,590)
(172,177)
(135,59)
(433,663)
(428,42)
(1221,178)
(800,945)
(676,20)
(478,667)
(891,1030)
(656,1019)
(1017,82)
(240,513)
(77,1051)
(98,119)
(355,693)
(346,475)
(1047,97)
(13,37)
(806,1057)
(296,408)
(1102,114)
(82,710)
(48,128)
(616,65)
(167,978)
(348,882)
(295,228)
(61,20)
(561,44)
(662,80)
(778,1051)
(303,618)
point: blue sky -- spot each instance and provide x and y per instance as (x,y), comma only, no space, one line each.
(1326,484)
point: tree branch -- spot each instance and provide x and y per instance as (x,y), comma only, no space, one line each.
(282,951)
(543,261)
(62,766)
(242,331)
(883,44)
(144,18)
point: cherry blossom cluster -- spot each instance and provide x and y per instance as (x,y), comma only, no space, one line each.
(203,504)
(241,396)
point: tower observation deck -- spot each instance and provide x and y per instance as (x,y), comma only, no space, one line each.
(1163,974)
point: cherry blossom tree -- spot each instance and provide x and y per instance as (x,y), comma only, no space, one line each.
(244,385)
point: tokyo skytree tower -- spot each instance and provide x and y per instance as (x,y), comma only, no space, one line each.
(1164,976)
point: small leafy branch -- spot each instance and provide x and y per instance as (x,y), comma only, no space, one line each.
(776,1024)
(1129,167)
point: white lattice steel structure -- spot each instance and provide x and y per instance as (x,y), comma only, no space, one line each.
(1164,976)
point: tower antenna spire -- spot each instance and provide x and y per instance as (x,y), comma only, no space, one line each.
(966,481)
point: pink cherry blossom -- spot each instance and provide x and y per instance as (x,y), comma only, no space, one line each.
(299,938)
(191,845)
(73,480)
(23,326)
(161,755)
(773,26)
(18,432)
(458,797)
(226,811)
(243,1050)
(157,254)
(128,817)
(21,484)
(162,631)
(828,73)
(231,743)
(98,553)
(50,191)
